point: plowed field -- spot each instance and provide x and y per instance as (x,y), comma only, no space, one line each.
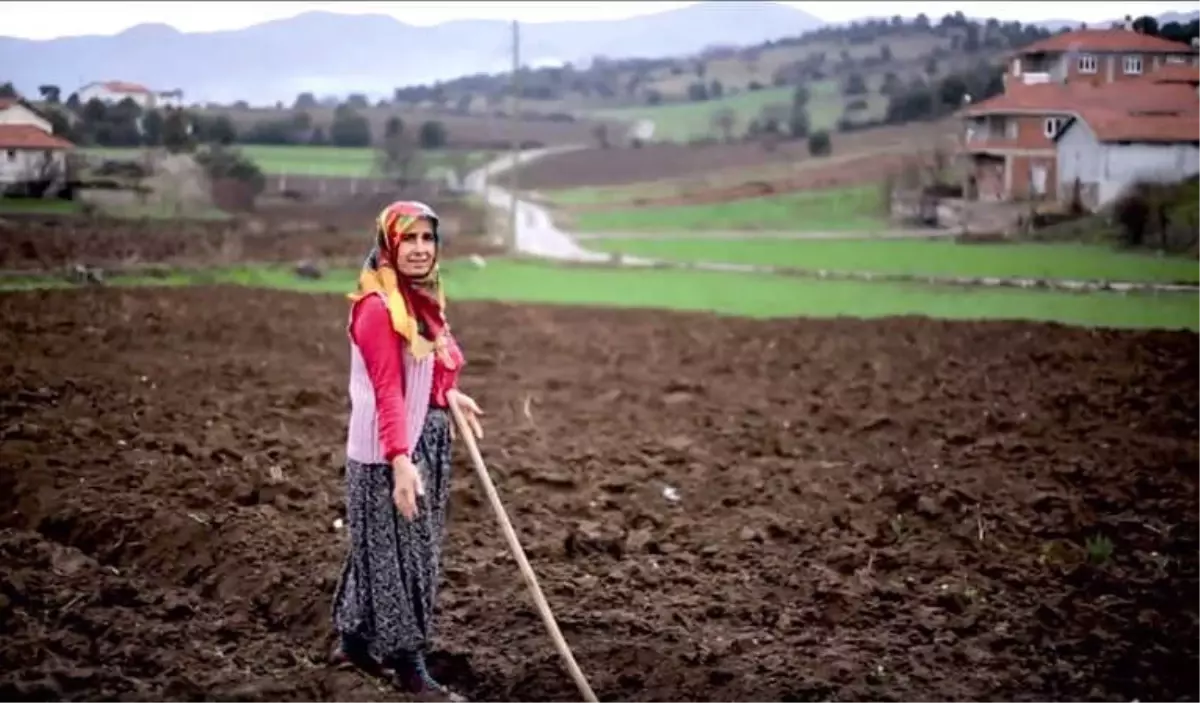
(718,509)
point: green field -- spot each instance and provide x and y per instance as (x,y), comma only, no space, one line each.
(682,122)
(921,257)
(738,294)
(38,206)
(329,161)
(843,210)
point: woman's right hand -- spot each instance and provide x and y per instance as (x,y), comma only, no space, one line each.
(408,485)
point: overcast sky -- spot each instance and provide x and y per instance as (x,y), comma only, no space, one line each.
(45,20)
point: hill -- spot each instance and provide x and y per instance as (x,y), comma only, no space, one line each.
(325,53)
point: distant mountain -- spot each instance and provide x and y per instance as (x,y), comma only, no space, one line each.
(329,53)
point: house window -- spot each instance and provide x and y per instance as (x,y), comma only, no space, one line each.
(1087,63)
(1011,130)
(12,154)
(1051,126)
(1133,64)
(1176,58)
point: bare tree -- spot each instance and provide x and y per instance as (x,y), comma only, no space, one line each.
(399,160)
(725,119)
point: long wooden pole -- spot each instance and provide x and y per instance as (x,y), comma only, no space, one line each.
(514,545)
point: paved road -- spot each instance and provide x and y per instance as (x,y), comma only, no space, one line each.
(536,233)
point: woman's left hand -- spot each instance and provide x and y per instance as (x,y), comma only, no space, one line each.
(468,407)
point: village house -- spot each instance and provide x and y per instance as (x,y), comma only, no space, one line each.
(112,92)
(1010,141)
(15,111)
(29,151)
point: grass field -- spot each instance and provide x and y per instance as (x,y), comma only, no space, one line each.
(329,161)
(736,294)
(843,210)
(691,120)
(921,257)
(38,206)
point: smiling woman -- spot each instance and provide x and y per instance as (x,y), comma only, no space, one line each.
(403,377)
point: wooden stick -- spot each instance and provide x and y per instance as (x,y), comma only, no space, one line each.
(464,430)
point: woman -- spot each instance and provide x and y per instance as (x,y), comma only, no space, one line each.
(403,373)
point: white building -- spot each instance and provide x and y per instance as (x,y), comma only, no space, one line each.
(28,149)
(113,92)
(14,111)
(1106,152)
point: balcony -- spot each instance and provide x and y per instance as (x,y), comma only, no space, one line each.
(980,140)
(1035,78)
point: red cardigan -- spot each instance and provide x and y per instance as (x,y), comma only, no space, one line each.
(371,329)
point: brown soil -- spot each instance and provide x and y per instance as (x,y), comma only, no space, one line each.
(465,131)
(617,166)
(877,510)
(275,234)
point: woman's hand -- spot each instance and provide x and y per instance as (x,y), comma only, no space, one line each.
(470,410)
(407,486)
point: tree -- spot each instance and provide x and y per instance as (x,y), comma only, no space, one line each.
(432,134)
(221,131)
(798,122)
(698,92)
(177,135)
(349,128)
(49,93)
(885,52)
(305,101)
(600,133)
(398,159)
(152,128)
(855,84)
(1146,25)
(724,120)
(716,89)
(819,144)
(800,96)
(394,127)
(8,91)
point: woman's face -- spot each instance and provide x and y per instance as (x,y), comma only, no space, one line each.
(416,251)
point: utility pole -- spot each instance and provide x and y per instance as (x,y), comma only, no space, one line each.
(516,134)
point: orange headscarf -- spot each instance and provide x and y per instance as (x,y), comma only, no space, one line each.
(416,305)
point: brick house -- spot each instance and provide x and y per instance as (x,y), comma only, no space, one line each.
(1009,140)
(1094,56)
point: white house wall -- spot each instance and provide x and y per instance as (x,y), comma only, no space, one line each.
(1114,167)
(20,165)
(19,114)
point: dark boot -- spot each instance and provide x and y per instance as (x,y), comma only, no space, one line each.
(413,676)
(352,651)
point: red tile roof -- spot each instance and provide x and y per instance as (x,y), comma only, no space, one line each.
(125,87)
(1057,98)
(26,136)
(1111,125)
(1105,40)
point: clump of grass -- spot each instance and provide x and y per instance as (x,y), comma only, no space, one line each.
(1099,549)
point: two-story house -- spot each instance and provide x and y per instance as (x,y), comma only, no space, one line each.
(1009,140)
(112,92)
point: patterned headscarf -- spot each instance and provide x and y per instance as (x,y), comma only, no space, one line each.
(417,305)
